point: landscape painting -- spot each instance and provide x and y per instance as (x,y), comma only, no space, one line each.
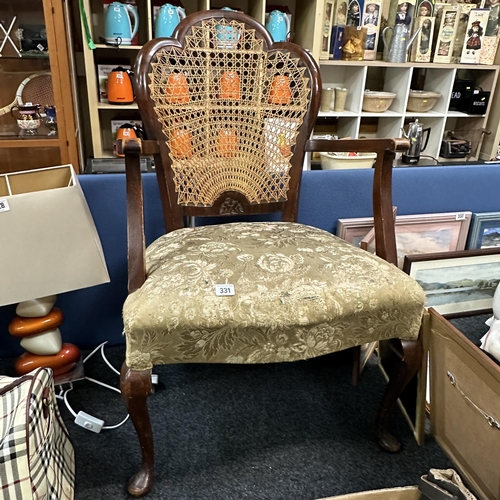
(485,230)
(457,282)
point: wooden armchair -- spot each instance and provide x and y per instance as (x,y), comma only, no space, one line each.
(229,115)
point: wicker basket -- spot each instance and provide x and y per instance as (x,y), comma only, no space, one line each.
(422,100)
(377,102)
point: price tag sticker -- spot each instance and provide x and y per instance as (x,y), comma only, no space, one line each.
(224,290)
(4,205)
(40,47)
(460,217)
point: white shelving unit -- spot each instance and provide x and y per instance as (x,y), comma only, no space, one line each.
(397,78)
(307,20)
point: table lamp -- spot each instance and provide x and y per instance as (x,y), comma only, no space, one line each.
(49,245)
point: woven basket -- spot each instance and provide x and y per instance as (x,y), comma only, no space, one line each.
(422,100)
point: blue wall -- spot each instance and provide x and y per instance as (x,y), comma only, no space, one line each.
(94,315)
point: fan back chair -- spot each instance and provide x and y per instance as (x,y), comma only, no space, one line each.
(229,115)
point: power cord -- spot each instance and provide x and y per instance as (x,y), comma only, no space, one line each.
(82,418)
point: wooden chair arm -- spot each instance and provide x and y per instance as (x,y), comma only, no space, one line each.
(136,242)
(385,234)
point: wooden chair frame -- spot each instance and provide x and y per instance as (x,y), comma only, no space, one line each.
(136,385)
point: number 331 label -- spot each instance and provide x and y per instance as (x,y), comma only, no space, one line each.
(223,290)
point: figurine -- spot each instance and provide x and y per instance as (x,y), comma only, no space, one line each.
(475,33)
(491,341)
(425,36)
(371,18)
(403,15)
(494,17)
(353,14)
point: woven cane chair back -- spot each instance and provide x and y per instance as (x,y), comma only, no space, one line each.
(231,113)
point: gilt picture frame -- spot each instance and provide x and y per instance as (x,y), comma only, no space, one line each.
(484,231)
(457,283)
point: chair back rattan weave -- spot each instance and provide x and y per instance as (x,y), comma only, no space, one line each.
(231,112)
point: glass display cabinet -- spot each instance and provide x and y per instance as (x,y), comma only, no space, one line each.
(37,115)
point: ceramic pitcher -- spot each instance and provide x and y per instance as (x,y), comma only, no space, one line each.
(278,26)
(169,16)
(121,23)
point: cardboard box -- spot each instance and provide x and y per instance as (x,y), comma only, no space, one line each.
(408,493)
(326,34)
(446,34)
(421,50)
(354,12)
(372,15)
(472,47)
(461,32)
(45,220)
(353,48)
(336,41)
(491,34)
(340,13)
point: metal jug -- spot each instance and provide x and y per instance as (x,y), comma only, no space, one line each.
(397,42)
(415,135)
(169,16)
(118,25)
(278,26)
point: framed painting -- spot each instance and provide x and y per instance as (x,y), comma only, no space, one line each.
(415,234)
(484,230)
(457,283)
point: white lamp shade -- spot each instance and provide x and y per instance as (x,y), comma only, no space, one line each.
(48,241)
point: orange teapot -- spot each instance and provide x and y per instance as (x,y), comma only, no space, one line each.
(128,131)
(119,86)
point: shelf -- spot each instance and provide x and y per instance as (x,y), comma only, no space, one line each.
(385,114)
(356,76)
(407,65)
(459,114)
(105,105)
(427,114)
(121,47)
(25,142)
(335,114)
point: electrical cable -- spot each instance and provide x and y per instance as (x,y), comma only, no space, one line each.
(63,395)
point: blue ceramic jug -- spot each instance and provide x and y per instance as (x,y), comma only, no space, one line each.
(278,26)
(169,16)
(227,36)
(118,27)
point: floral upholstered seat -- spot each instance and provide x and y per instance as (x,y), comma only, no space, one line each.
(300,292)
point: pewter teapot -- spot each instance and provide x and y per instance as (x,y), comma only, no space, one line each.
(415,134)
(397,42)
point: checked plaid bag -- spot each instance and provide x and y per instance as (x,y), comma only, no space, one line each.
(36,455)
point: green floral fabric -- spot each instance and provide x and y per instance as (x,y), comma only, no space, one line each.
(300,292)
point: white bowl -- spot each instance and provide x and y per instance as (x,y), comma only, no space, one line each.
(422,100)
(338,161)
(377,102)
